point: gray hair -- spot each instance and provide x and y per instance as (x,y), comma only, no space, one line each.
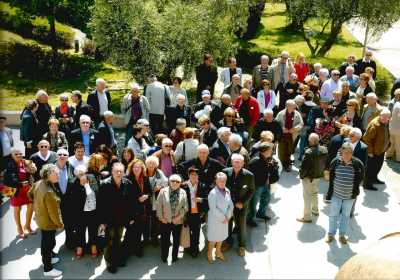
(84,117)
(264,56)
(285,53)
(222,130)
(356,131)
(175,177)
(372,95)
(290,102)
(15,150)
(41,93)
(235,138)
(47,169)
(62,150)
(385,111)
(313,138)
(397,92)
(235,76)
(317,65)
(324,72)
(293,76)
(80,170)
(221,175)
(236,156)
(63,95)
(180,95)
(203,147)
(135,86)
(166,141)
(344,83)
(268,111)
(107,114)
(152,159)
(100,80)
(347,146)
(350,68)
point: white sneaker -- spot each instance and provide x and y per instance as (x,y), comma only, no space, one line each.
(53,273)
(55,260)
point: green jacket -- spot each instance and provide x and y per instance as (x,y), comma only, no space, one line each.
(313,164)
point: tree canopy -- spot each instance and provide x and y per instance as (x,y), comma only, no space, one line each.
(157,37)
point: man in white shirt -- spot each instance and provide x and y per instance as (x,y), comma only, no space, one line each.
(79,157)
(329,86)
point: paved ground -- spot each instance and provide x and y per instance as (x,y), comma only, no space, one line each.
(282,249)
(385,48)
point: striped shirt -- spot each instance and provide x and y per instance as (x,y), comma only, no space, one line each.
(343,181)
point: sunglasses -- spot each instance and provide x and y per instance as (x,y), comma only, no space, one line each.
(63,99)
(63,155)
(85,122)
(18,154)
(44,146)
(168,146)
(336,74)
(175,181)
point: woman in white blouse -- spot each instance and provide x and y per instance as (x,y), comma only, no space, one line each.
(266,97)
(175,90)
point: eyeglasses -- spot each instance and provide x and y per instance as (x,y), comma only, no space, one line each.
(168,146)
(336,74)
(85,122)
(175,181)
(44,146)
(63,99)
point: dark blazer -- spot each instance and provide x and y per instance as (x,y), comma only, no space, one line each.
(333,148)
(219,152)
(206,77)
(202,192)
(77,200)
(93,101)
(40,162)
(65,127)
(142,208)
(314,162)
(210,136)
(273,126)
(116,206)
(360,151)
(361,65)
(358,176)
(242,187)
(76,136)
(206,172)
(172,113)
(266,171)
(43,114)
(29,130)
(104,136)
(215,111)
(82,109)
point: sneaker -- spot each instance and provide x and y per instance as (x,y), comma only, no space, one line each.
(55,260)
(370,187)
(53,273)
(329,238)
(377,181)
(343,239)
(241,252)
(251,223)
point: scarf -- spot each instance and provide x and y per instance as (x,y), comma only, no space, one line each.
(136,110)
(64,109)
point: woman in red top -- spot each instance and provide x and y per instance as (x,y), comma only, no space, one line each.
(18,175)
(302,68)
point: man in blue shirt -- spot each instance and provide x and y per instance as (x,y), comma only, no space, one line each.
(84,134)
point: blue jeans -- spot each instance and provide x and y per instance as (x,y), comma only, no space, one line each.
(262,195)
(339,208)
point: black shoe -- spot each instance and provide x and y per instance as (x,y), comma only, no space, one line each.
(112,269)
(164,260)
(251,223)
(262,217)
(194,254)
(175,259)
(370,187)
(122,264)
(377,181)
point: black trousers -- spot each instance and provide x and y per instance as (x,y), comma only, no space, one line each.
(166,230)
(115,252)
(154,227)
(133,235)
(89,222)
(239,217)
(156,123)
(194,223)
(374,166)
(46,248)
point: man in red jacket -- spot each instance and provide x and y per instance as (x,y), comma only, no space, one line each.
(248,109)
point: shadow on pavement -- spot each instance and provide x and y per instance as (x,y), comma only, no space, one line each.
(395,166)
(310,233)
(377,199)
(356,232)
(5,206)
(19,248)
(338,255)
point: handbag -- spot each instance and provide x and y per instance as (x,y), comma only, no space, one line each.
(185,237)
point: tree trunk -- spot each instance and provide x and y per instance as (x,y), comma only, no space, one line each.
(53,40)
(336,28)
(365,39)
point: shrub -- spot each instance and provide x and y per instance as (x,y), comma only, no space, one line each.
(36,28)
(88,48)
(35,62)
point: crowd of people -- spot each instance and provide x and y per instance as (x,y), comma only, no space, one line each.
(185,166)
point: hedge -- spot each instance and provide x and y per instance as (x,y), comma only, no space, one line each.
(36,28)
(35,62)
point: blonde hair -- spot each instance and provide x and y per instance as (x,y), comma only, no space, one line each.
(94,163)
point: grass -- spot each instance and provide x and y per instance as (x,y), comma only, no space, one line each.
(272,38)
(15,91)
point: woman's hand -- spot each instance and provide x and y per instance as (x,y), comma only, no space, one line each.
(143,198)
(156,188)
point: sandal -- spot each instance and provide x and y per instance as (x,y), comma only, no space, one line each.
(78,254)
(94,253)
(21,234)
(30,231)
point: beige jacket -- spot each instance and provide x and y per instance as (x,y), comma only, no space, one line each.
(297,122)
(163,206)
(289,69)
(46,204)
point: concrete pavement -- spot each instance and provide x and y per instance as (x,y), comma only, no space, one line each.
(282,249)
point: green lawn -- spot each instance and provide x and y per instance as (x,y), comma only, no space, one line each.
(272,38)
